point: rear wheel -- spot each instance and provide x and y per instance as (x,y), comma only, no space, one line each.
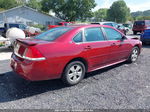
(73,73)
(134,55)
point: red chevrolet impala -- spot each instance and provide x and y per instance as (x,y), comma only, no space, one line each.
(69,52)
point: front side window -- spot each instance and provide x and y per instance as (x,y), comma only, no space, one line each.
(78,38)
(112,34)
(53,33)
(94,34)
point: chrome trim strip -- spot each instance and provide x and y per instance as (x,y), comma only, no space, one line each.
(31,59)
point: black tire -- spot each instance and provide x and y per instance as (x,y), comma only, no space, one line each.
(69,76)
(134,32)
(134,55)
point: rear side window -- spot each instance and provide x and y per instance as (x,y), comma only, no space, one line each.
(94,34)
(53,34)
(112,34)
(78,38)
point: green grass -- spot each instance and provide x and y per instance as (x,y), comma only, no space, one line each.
(1,44)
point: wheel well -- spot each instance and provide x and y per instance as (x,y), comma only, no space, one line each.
(138,47)
(79,59)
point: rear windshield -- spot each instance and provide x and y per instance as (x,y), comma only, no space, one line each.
(53,34)
(139,23)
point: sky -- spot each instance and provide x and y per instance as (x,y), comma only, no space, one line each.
(134,5)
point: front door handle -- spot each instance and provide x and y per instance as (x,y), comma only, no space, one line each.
(88,47)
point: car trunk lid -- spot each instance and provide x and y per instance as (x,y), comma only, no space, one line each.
(24,48)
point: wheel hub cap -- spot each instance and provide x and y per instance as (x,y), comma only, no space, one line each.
(75,73)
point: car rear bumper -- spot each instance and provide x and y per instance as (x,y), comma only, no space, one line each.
(138,30)
(32,70)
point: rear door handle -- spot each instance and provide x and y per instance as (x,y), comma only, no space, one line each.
(113,44)
(88,47)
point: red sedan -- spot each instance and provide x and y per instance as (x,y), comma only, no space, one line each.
(70,52)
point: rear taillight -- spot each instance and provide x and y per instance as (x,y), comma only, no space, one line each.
(29,53)
(33,54)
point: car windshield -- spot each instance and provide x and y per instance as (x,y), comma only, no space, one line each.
(139,23)
(53,34)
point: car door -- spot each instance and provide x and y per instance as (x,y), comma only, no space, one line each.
(119,48)
(96,47)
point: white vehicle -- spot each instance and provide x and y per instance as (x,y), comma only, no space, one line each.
(109,23)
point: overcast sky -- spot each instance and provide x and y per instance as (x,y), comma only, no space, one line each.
(134,5)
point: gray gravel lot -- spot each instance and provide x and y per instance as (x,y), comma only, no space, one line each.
(123,86)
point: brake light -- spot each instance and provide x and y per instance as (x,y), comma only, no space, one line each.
(29,53)
(33,54)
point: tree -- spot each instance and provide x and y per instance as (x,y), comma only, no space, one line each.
(119,12)
(7,4)
(101,14)
(34,4)
(69,10)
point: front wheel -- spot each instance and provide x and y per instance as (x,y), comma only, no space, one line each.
(134,55)
(73,73)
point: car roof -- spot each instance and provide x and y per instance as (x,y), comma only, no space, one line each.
(88,26)
(103,22)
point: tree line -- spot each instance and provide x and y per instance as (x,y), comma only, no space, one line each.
(74,10)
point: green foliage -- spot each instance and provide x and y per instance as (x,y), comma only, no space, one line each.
(34,4)
(101,14)
(69,10)
(1,44)
(141,15)
(142,18)
(7,4)
(119,12)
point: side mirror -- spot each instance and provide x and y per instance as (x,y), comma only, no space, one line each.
(123,38)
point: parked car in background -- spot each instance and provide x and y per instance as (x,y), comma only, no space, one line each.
(122,29)
(70,52)
(128,27)
(140,26)
(21,26)
(60,24)
(7,26)
(145,36)
(113,24)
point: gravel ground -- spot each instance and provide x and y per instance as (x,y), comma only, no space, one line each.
(123,86)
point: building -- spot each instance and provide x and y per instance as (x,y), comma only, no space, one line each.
(28,16)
